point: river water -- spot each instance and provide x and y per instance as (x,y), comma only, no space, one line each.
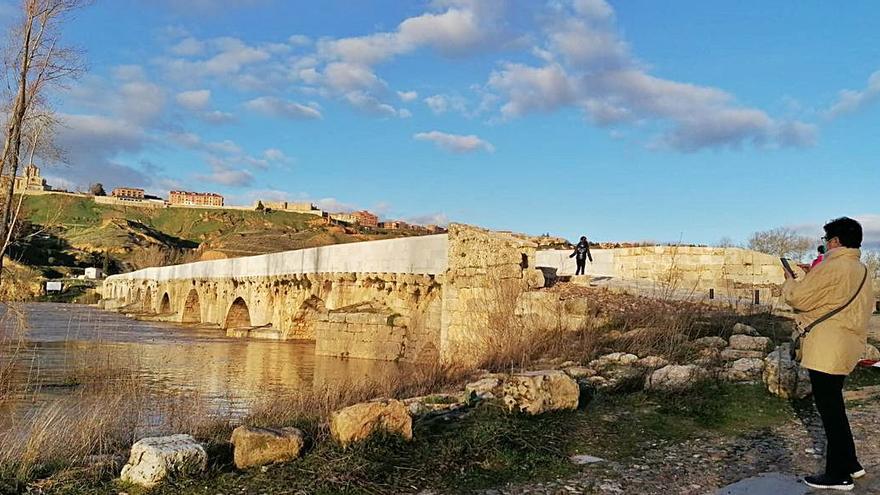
(53,343)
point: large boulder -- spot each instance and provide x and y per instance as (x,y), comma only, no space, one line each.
(749,343)
(357,422)
(258,446)
(675,377)
(536,392)
(745,370)
(154,459)
(488,387)
(785,377)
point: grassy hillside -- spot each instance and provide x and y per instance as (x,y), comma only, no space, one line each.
(59,232)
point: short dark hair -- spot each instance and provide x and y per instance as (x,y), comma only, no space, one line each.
(821,249)
(847,231)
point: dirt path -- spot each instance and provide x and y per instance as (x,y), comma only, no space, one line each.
(705,465)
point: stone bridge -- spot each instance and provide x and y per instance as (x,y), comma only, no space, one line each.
(416,299)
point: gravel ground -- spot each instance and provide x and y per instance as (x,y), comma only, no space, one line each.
(704,465)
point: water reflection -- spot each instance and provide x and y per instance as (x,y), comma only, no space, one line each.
(61,343)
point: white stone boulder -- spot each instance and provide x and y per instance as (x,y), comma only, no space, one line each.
(749,343)
(436,403)
(485,388)
(580,372)
(536,392)
(154,459)
(675,377)
(258,446)
(743,329)
(745,370)
(357,422)
(871,352)
(735,354)
(785,377)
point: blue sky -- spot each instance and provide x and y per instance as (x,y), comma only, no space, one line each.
(630,120)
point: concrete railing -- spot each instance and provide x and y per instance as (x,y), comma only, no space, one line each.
(424,255)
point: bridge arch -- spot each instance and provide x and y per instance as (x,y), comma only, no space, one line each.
(165,304)
(239,315)
(192,308)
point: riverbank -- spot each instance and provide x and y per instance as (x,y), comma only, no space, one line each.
(478,446)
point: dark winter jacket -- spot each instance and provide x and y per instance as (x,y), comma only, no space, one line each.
(582,251)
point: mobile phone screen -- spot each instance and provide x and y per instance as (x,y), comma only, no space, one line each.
(787,267)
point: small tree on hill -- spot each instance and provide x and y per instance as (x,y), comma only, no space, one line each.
(97,189)
(783,242)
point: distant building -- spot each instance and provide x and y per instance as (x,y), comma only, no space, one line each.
(434,229)
(296,206)
(30,181)
(394,225)
(366,219)
(93,273)
(348,218)
(128,194)
(188,198)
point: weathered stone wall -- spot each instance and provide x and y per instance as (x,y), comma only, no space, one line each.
(731,272)
(488,272)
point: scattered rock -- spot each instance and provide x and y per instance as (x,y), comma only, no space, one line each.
(568,364)
(675,377)
(485,388)
(785,377)
(154,459)
(709,343)
(743,329)
(652,362)
(537,392)
(580,372)
(863,393)
(615,358)
(582,459)
(259,446)
(357,422)
(748,343)
(735,354)
(745,370)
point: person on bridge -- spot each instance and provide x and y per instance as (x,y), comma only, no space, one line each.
(580,255)
(833,304)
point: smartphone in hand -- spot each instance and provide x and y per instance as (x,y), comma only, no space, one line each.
(787,267)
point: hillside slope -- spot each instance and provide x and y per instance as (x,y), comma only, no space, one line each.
(59,232)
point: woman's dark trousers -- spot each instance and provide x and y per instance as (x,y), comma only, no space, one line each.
(840,456)
(581,265)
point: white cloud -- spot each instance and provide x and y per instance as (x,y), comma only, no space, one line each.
(407,96)
(274,154)
(188,47)
(276,107)
(444,103)
(216,117)
(194,100)
(371,105)
(849,100)
(454,142)
(588,66)
(440,219)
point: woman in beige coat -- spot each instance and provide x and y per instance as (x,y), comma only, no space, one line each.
(834,346)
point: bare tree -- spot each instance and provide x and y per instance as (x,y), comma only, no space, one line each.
(726,242)
(35,61)
(783,242)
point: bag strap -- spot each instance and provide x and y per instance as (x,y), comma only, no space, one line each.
(838,310)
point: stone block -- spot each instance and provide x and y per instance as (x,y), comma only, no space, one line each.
(485,388)
(537,392)
(871,352)
(155,459)
(358,422)
(748,343)
(785,377)
(709,343)
(258,446)
(675,377)
(734,354)
(743,329)
(745,370)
